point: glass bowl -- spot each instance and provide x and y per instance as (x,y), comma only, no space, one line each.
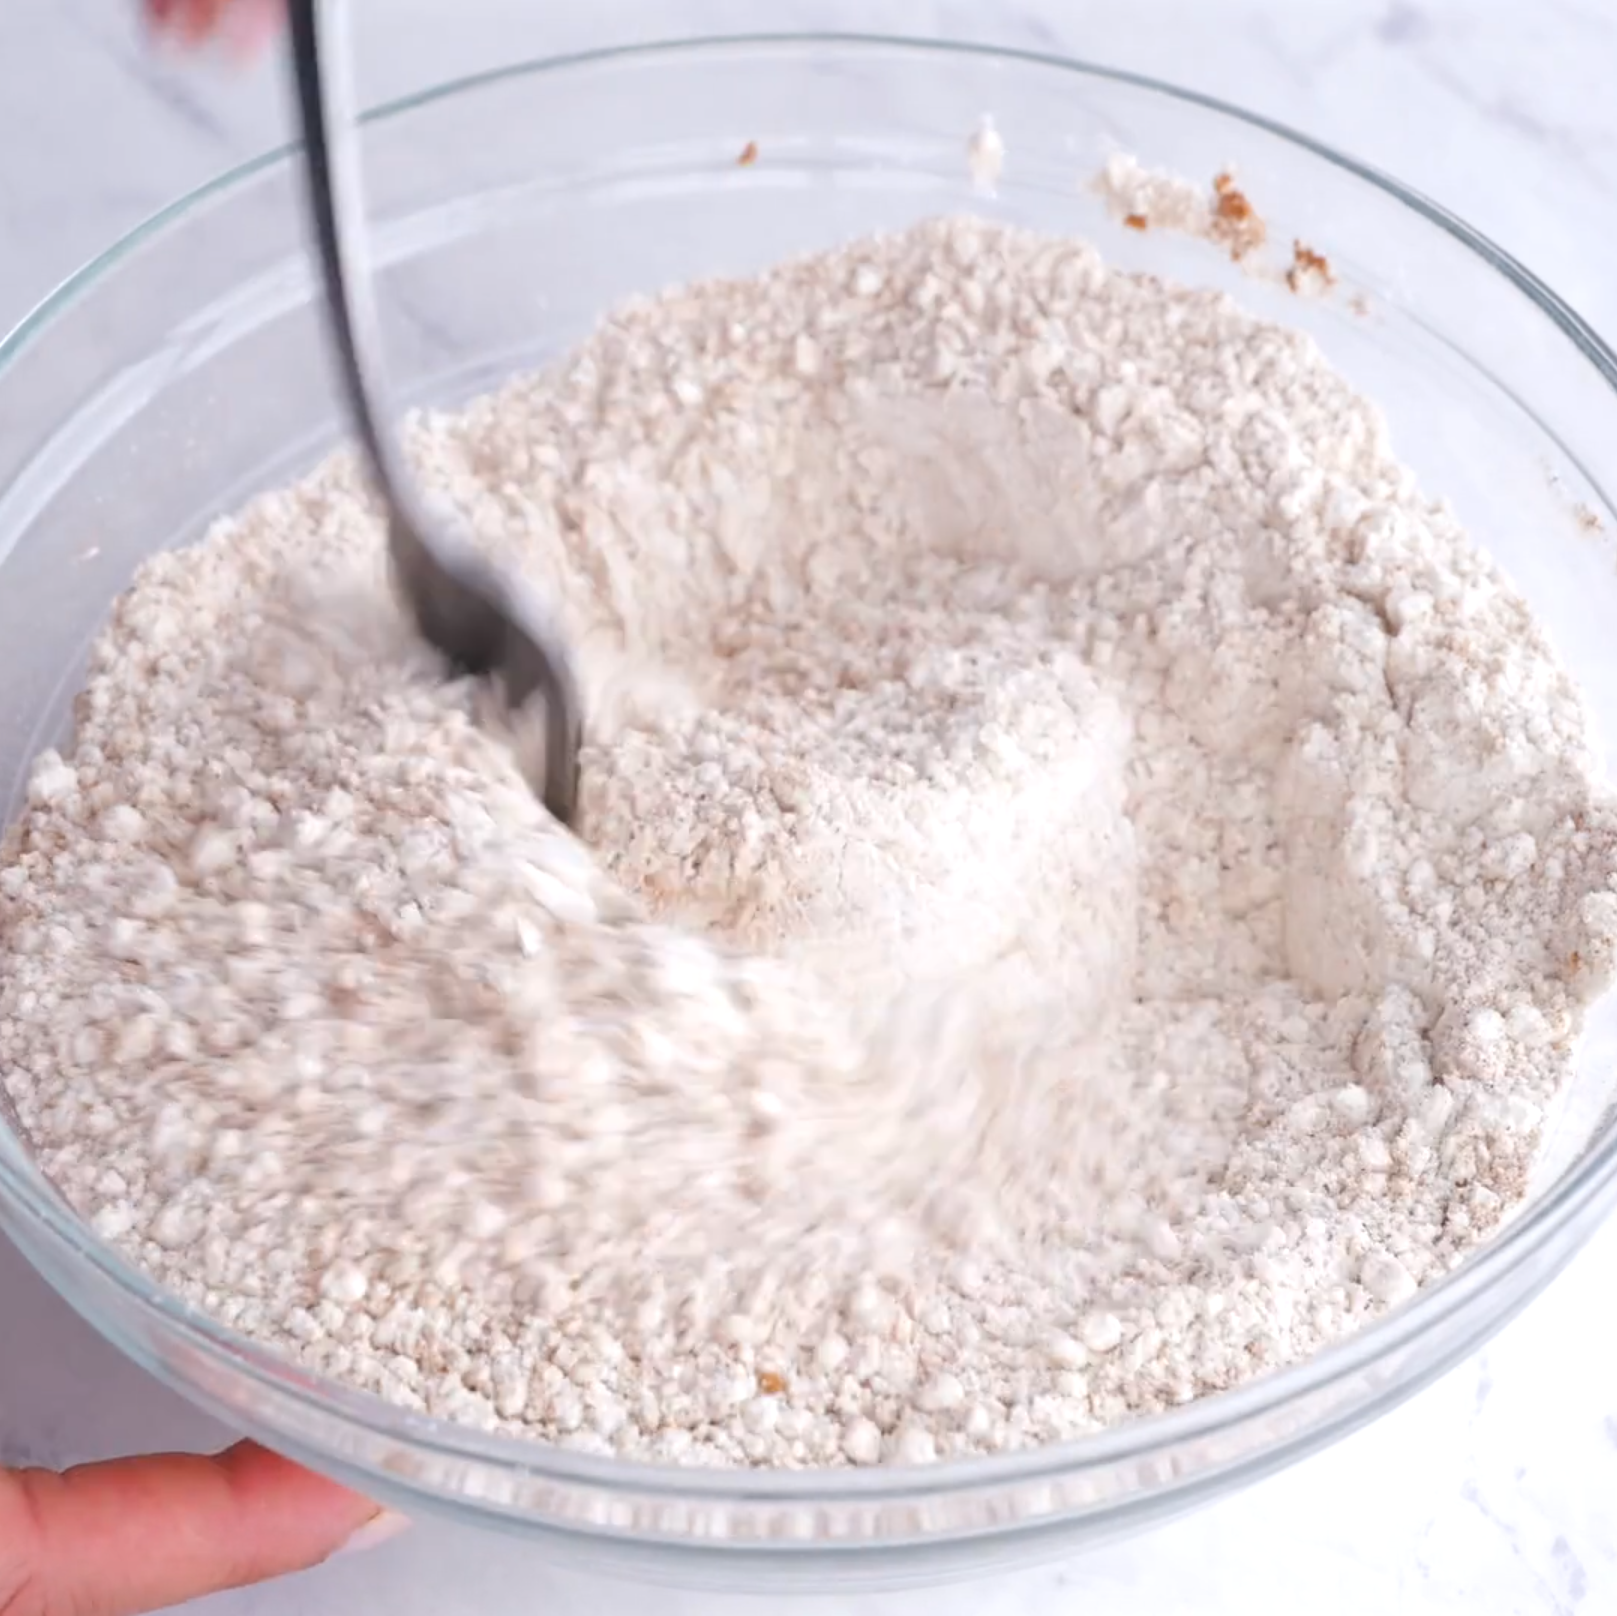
(184,370)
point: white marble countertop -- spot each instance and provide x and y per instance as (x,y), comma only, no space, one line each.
(1495,1492)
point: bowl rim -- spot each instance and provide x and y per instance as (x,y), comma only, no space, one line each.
(1591,1180)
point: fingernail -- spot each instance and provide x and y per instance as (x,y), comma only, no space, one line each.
(375,1532)
(251,28)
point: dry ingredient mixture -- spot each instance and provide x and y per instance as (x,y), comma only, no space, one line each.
(1091,884)
(1156,199)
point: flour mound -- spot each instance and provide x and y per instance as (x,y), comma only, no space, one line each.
(1092,884)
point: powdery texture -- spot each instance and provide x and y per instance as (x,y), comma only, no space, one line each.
(1092,885)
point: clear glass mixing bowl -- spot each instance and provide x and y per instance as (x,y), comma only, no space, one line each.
(184,369)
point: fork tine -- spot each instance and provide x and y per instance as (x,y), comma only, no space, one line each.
(462,606)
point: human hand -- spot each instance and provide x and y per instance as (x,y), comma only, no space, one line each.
(242,25)
(138,1535)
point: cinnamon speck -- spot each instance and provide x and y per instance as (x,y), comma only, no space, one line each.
(770,1384)
(1136,221)
(1310,271)
(1587,518)
(1234,221)
(749,155)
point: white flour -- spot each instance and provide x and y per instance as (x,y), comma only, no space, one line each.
(1092,884)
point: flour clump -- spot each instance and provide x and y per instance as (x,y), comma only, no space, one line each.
(1092,883)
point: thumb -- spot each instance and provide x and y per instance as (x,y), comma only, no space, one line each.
(135,1535)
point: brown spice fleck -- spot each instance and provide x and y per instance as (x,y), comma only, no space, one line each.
(749,155)
(770,1383)
(1136,221)
(1587,518)
(1235,222)
(1308,268)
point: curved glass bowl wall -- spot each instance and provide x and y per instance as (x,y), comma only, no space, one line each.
(185,369)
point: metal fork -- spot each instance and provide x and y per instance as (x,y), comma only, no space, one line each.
(482,621)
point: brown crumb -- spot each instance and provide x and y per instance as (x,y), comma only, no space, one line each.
(1309,269)
(1587,518)
(749,155)
(1575,960)
(1136,221)
(770,1383)
(1234,221)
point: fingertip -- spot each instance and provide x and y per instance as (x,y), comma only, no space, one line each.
(359,1523)
(250,27)
(198,19)
(240,27)
(264,1478)
(158,15)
